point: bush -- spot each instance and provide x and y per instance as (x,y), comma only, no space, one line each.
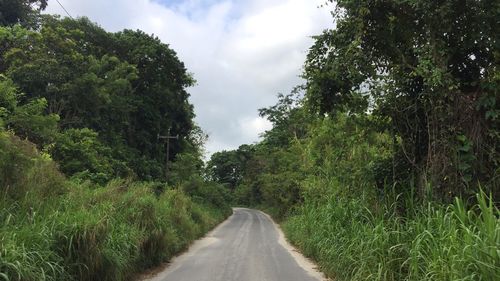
(30,121)
(23,169)
(79,152)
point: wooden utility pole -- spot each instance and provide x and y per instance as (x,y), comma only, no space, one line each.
(168,137)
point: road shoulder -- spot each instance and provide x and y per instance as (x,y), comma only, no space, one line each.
(308,265)
(158,273)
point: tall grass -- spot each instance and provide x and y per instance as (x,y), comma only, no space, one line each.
(434,243)
(357,231)
(101,234)
(52,229)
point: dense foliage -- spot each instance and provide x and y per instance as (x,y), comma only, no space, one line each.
(83,194)
(54,229)
(430,71)
(126,87)
(25,12)
(385,164)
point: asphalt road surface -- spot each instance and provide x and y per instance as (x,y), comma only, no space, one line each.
(246,247)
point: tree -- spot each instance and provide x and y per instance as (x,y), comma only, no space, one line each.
(24,12)
(129,87)
(228,167)
(289,119)
(428,68)
(81,154)
(161,92)
(28,120)
(8,99)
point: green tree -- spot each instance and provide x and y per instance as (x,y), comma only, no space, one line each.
(227,167)
(25,12)
(427,68)
(160,92)
(8,99)
(188,165)
(31,122)
(224,168)
(129,87)
(28,120)
(81,154)
(290,121)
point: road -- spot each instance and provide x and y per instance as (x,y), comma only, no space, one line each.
(246,247)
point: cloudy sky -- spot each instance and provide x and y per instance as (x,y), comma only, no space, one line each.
(241,52)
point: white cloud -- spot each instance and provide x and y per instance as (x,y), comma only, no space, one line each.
(241,52)
(250,127)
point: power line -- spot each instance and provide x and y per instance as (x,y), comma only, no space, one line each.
(64,8)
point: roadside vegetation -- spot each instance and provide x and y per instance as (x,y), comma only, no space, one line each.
(384,165)
(83,194)
(55,229)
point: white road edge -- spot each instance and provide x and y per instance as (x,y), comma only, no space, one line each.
(308,265)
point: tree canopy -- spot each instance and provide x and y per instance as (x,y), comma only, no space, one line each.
(126,88)
(25,12)
(430,69)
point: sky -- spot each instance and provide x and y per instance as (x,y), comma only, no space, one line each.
(242,53)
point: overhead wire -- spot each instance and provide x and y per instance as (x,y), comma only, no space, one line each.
(64,9)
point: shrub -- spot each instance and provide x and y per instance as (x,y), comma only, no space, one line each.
(23,169)
(79,152)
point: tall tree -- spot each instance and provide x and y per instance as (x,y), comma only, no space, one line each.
(24,12)
(128,87)
(431,69)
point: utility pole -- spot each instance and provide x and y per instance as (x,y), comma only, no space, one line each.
(168,137)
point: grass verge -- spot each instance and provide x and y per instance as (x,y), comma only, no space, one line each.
(435,243)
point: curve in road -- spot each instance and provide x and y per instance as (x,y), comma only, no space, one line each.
(246,247)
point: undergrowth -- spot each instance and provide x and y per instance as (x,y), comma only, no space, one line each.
(54,229)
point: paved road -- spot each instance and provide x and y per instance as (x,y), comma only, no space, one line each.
(247,247)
